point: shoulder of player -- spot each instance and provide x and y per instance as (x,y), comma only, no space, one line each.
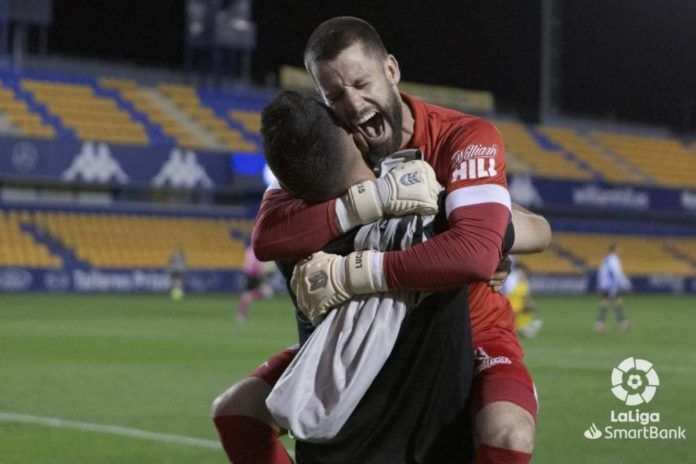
(447,117)
(469,126)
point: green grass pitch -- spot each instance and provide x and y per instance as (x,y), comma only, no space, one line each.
(148,363)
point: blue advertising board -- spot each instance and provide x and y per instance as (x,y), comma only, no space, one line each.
(72,161)
(540,192)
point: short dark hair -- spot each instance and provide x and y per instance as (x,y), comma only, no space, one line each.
(336,34)
(303,146)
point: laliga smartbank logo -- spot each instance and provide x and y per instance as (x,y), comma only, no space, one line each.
(634,382)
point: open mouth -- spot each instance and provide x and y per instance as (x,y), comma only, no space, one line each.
(373,127)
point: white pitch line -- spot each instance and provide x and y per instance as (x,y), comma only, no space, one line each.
(111,429)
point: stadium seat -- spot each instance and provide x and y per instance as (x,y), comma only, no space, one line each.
(525,154)
(187,99)
(17,113)
(146,241)
(549,262)
(641,255)
(18,248)
(92,117)
(666,161)
(610,168)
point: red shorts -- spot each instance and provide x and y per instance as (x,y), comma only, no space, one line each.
(271,370)
(500,373)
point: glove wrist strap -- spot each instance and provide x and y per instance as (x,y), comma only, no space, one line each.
(361,205)
(364,272)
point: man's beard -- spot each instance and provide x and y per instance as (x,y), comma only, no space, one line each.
(394,116)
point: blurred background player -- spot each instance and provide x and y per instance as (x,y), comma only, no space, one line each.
(518,291)
(177,268)
(258,287)
(611,282)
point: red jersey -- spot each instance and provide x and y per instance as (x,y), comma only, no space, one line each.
(468,157)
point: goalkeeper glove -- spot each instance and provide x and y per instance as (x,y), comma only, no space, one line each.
(410,188)
(323,281)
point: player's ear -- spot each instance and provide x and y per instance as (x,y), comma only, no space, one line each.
(391,69)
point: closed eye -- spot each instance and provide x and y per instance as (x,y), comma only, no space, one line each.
(333,98)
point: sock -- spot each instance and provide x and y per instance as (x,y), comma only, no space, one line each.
(619,313)
(249,441)
(493,455)
(602,314)
(244,303)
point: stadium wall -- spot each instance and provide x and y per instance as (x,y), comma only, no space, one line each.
(100,280)
(587,283)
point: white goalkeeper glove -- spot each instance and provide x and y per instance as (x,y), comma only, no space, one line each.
(410,188)
(323,281)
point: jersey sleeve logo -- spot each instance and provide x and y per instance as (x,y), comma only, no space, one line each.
(476,161)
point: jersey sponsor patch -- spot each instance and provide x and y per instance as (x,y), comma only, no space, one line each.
(483,360)
(476,161)
(475,150)
(477,168)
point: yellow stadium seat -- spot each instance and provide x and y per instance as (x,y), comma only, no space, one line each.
(91,116)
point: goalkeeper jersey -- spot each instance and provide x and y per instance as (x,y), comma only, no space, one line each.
(409,380)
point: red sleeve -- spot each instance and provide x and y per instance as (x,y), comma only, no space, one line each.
(478,211)
(287,229)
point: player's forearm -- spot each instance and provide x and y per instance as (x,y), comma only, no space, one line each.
(532,231)
(469,251)
(288,229)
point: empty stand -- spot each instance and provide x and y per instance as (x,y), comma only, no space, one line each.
(611,169)
(18,114)
(142,101)
(186,98)
(18,248)
(666,161)
(122,241)
(549,262)
(640,255)
(250,120)
(685,247)
(92,117)
(546,162)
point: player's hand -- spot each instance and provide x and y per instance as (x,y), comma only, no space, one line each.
(410,188)
(323,281)
(501,274)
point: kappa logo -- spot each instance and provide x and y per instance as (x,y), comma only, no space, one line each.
(411,178)
(522,191)
(182,170)
(95,164)
(317,281)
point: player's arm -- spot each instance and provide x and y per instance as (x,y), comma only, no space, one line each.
(478,211)
(625,282)
(288,229)
(532,231)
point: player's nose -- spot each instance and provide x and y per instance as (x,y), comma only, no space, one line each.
(353,104)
